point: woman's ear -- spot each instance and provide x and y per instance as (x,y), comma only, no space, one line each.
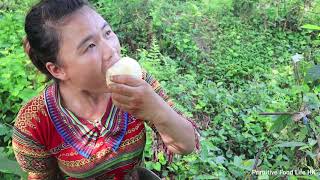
(26,45)
(56,71)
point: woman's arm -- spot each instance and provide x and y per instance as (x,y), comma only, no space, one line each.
(44,176)
(177,133)
(37,167)
(27,142)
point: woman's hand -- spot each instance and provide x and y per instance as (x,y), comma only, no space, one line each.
(136,97)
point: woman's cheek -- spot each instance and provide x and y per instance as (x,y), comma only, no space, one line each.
(94,56)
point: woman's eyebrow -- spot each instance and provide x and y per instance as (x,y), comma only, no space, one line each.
(105,24)
(85,40)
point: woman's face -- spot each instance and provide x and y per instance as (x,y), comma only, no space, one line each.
(88,47)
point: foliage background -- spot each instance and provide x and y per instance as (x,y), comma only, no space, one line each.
(223,61)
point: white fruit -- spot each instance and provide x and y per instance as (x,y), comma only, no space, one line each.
(125,66)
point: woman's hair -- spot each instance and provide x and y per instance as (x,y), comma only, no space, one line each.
(41,27)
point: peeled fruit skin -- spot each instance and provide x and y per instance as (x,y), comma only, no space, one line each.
(125,66)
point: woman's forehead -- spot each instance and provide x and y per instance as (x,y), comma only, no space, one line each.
(83,17)
(81,23)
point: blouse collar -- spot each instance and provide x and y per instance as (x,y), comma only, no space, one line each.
(80,133)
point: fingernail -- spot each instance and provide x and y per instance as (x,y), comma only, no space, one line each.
(110,87)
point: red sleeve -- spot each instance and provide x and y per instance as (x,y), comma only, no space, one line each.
(30,138)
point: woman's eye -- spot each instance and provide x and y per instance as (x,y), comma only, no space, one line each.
(91,45)
(108,33)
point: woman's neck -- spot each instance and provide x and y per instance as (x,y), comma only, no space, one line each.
(83,103)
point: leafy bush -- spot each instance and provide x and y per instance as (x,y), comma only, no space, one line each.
(232,68)
(18,82)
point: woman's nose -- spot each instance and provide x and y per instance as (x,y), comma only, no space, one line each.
(108,50)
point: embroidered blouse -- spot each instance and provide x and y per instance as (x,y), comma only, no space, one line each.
(50,141)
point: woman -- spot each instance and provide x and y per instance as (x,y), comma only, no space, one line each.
(78,128)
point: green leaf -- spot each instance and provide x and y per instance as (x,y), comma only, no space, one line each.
(157,166)
(206,177)
(308,177)
(312,142)
(311,27)
(292,178)
(220,160)
(302,134)
(4,130)
(237,161)
(313,73)
(249,163)
(161,158)
(263,176)
(9,166)
(290,144)
(148,165)
(27,94)
(280,123)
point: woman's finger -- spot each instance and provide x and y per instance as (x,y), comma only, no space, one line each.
(123,107)
(126,79)
(121,99)
(121,89)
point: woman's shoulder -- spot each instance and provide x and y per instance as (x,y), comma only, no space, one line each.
(147,76)
(31,113)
